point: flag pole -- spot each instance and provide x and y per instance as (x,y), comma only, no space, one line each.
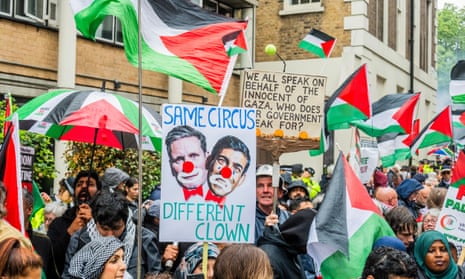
(139,198)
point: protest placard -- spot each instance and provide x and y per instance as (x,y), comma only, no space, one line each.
(288,105)
(208,174)
(27,164)
(451,220)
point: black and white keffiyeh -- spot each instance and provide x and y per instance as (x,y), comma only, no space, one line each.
(89,262)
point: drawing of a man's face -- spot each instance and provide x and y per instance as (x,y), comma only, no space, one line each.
(227,165)
(187,156)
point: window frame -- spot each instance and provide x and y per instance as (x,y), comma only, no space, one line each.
(314,6)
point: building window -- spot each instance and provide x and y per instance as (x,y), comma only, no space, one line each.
(29,10)
(291,7)
(216,6)
(110,31)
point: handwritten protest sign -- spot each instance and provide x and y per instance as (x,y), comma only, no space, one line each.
(288,105)
(208,174)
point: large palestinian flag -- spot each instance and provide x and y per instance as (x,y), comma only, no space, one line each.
(179,38)
(345,227)
(350,102)
(393,113)
(437,131)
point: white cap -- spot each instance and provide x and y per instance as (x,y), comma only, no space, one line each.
(264,170)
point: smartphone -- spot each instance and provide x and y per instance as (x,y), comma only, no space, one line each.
(195,276)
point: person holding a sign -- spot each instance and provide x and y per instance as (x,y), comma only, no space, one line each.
(187,150)
(227,166)
(264,196)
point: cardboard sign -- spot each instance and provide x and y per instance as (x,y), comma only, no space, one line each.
(288,105)
(208,174)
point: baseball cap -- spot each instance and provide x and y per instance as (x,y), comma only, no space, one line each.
(264,170)
(267,170)
(310,170)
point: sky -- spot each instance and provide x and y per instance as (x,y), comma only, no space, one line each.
(458,3)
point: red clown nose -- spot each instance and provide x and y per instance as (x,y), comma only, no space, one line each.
(226,172)
(187,167)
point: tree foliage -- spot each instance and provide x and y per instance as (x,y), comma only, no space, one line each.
(451,42)
(78,156)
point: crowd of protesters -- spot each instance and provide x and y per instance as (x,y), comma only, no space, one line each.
(90,231)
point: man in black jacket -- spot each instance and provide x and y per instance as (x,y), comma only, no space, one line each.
(285,243)
(86,186)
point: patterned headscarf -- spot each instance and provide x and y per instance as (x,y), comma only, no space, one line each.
(193,257)
(422,244)
(88,263)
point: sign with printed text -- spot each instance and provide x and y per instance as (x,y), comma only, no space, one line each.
(27,164)
(451,220)
(290,103)
(208,174)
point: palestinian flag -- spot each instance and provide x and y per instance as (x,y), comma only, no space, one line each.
(324,141)
(457,83)
(10,174)
(393,113)
(350,102)
(457,94)
(437,131)
(346,226)
(179,38)
(318,43)
(392,148)
(458,171)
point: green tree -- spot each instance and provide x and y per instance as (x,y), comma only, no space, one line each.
(78,156)
(451,42)
(44,160)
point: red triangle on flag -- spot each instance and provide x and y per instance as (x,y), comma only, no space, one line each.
(413,134)
(328,47)
(358,195)
(458,171)
(355,92)
(442,123)
(404,116)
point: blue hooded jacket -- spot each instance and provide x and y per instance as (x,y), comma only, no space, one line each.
(404,190)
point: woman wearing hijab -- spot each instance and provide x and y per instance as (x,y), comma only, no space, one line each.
(434,258)
(101,258)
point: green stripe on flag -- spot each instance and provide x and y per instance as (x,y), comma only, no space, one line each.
(338,117)
(338,266)
(433,138)
(458,183)
(316,49)
(458,99)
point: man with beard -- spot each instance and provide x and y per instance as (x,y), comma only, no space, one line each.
(187,151)
(86,185)
(227,166)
